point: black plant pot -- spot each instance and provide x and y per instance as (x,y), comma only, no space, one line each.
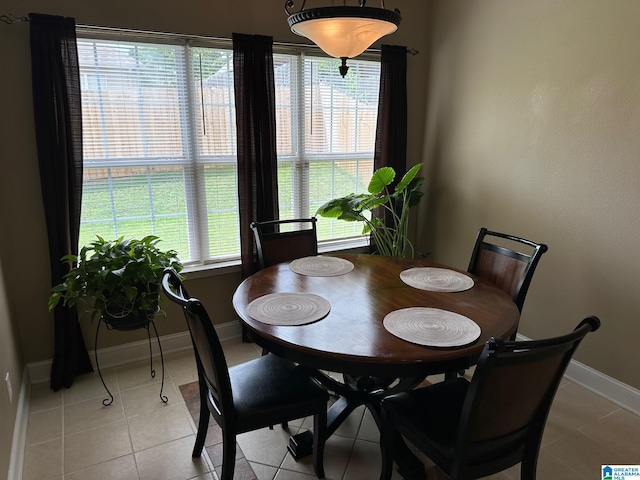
(120,315)
(131,321)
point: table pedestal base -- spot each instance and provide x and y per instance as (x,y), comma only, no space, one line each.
(301,445)
(351,397)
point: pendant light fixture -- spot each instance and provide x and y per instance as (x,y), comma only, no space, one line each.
(343,31)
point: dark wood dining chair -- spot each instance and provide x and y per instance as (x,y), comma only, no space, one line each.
(274,244)
(505,267)
(282,241)
(471,429)
(259,393)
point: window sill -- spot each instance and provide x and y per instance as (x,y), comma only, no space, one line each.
(352,245)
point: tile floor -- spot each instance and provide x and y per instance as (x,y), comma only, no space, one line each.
(71,436)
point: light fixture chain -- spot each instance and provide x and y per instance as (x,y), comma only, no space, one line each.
(289,4)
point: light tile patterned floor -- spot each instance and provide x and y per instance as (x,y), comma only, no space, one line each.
(71,436)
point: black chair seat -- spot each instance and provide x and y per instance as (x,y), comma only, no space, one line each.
(271,390)
(434,410)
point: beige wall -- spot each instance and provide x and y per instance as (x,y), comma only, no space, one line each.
(11,363)
(25,256)
(534,129)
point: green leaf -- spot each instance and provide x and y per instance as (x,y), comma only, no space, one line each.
(377,202)
(381,178)
(58,289)
(351,217)
(336,208)
(408,177)
(414,199)
(131,293)
(54,300)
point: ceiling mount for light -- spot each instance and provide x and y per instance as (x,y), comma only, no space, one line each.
(343,31)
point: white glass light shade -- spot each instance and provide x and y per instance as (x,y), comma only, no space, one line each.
(344,37)
(344,32)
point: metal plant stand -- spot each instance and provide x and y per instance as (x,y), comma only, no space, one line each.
(108,401)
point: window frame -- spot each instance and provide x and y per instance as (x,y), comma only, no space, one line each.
(194,163)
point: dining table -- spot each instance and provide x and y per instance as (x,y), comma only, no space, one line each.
(367,326)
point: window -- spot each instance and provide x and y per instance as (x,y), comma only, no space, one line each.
(160,142)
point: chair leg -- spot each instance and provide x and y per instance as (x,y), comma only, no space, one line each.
(245,335)
(319,439)
(228,454)
(203,422)
(529,463)
(527,473)
(285,425)
(387,436)
(452,375)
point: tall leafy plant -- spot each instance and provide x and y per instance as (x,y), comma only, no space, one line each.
(385,214)
(117,278)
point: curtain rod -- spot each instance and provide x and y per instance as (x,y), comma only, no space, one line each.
(10,19)
(219,39)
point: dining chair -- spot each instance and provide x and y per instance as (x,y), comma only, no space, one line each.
(471,429)
(276,243)
(281,241)
(505,267)
(259,393)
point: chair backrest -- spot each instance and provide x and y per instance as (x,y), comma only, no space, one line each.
(212,366)
(275,245)
(509,269)
(509,398)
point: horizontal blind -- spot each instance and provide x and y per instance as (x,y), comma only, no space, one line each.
(135,150)
(160,140)
(326,135)
(340,112)
(214,124)
(159,146)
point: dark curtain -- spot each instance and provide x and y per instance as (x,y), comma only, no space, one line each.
(58,122)
(391,129)
(255,97)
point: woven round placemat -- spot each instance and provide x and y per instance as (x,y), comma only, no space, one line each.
(321,266)
(432,327)
(436,279)
(291,308)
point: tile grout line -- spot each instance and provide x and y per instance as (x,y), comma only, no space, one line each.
(631,462)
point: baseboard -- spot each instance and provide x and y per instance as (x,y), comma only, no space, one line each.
(607,387)
(134,351)
(19,440)
(619,393)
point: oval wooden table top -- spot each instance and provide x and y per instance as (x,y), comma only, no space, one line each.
(352,339)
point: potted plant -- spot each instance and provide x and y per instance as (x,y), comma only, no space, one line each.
(385,215)
(118,280)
